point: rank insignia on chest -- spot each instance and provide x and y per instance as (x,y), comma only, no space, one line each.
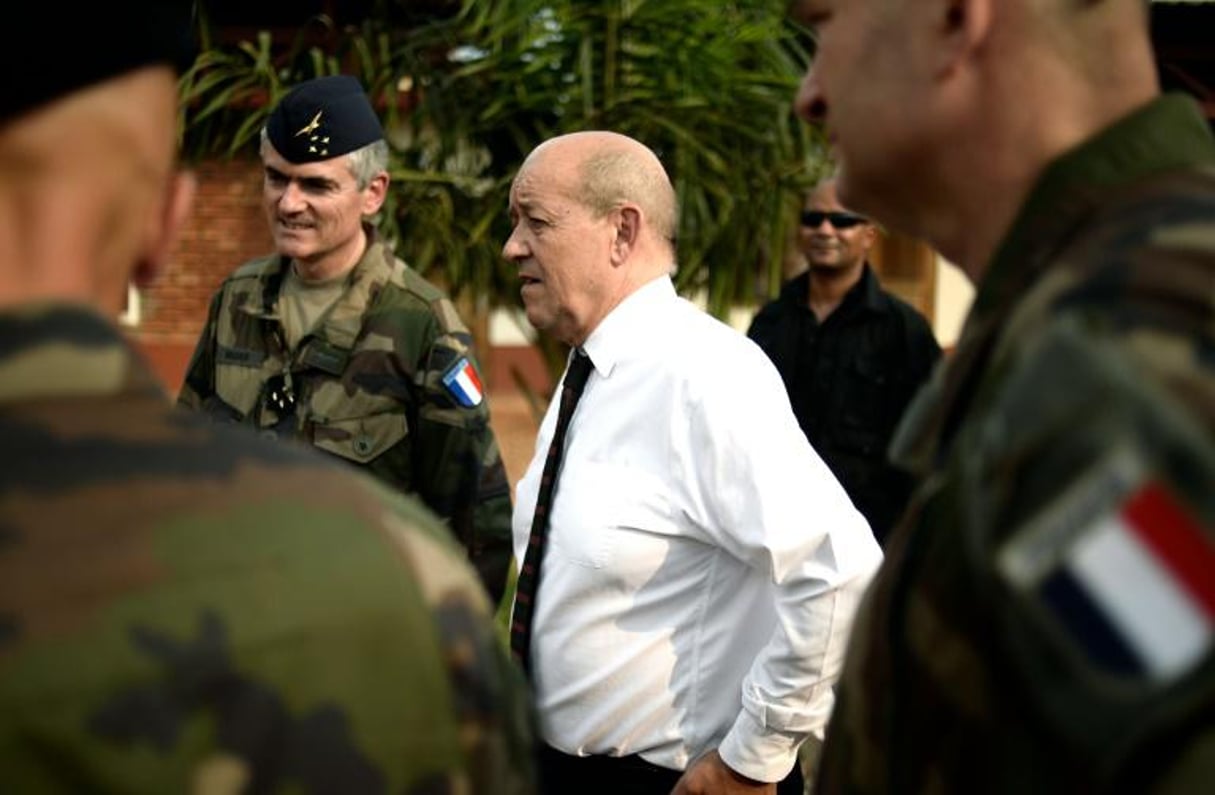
(1123,568)
(463,383)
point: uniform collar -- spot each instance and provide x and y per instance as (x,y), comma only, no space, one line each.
(1166,134)
(342,323)
(57,350)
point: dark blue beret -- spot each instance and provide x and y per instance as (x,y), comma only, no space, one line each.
(88,44)
(323,118)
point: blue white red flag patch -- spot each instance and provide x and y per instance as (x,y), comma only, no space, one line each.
(1132,588)
(463,383)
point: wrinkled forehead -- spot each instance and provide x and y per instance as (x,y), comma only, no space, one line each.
(546,173)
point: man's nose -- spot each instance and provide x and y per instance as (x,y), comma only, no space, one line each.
(514,249)
(291,198)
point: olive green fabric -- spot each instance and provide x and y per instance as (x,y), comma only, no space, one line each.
(1085,372)
(185,607)
(369,388)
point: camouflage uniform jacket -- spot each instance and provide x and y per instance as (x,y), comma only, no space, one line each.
(1013,640)
(377,383)
(186,607)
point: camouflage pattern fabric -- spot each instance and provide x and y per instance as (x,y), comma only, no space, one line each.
(185,607)
(369,388)
(1083,388)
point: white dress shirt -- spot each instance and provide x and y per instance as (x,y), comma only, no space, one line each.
(703,564)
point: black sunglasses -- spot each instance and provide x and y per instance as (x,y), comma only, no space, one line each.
(814,218)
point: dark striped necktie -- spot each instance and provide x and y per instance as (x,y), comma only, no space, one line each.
(529,574)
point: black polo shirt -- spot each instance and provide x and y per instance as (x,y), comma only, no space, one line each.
(849,380)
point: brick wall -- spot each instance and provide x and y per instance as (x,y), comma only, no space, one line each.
(226,228)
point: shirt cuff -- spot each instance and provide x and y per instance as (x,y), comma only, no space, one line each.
(757,752)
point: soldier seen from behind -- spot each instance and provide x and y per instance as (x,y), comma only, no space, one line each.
(185,607)
(334,342)
(1045,615)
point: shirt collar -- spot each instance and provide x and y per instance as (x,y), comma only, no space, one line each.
(627,326)
(866,293)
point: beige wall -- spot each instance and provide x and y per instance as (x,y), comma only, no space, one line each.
(954,294)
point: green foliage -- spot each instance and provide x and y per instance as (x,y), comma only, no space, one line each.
(708,84)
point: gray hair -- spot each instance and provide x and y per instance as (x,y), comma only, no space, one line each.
(367,161)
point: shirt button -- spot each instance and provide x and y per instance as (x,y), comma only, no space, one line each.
(363,445)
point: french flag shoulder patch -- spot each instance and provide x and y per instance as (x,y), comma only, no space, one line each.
(463,383)
(1123,567)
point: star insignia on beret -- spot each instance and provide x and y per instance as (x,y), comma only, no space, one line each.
(319,141)
(312,125)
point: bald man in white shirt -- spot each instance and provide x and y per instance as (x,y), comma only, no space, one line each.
(701,565)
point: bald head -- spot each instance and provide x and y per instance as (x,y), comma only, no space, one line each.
(609,169)
(593,216)
(942,115)
(90,195)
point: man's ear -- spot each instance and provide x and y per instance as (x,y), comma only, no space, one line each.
(179,200)
(964,27)
(375,193)
(869,236)
(628,231)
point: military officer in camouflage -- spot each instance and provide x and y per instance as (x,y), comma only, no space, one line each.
(336,342)
(185,607)
(1045,616)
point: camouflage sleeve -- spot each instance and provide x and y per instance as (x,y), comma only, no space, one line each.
(258,622)
(459,469)
(1015,592)
(1108,475)
(198,387)
(226,614)
(495,720)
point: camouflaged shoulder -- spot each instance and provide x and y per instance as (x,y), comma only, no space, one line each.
(371,657)
(417,288)
(1147,275)
(1084,480)
(1160,234)
(51,349)
(1087,466)
(1145,268)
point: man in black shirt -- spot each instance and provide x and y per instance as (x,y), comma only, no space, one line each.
(851,354)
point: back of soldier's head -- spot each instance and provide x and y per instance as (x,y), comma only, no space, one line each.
(89,44)
(88,148)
